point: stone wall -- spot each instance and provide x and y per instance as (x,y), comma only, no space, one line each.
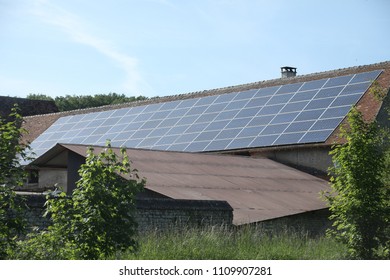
(152,213)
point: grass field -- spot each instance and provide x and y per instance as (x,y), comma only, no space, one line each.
(224,244)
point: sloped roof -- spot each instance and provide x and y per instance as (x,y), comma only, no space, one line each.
(258,189)
(367,104)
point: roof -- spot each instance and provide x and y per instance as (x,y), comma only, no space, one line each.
(367,104)
(258,189)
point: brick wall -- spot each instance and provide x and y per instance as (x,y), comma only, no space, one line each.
(153,213)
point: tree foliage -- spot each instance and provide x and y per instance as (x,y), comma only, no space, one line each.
(11,175)
(360,200)
(74,102)
(98,219)
(39,96)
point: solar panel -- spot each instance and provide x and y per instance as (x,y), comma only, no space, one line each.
(281,115)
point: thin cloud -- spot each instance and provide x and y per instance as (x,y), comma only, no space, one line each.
(76,29)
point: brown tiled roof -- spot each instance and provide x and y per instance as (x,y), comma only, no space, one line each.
(368,104)
(257,189)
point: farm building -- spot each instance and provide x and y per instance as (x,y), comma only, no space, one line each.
(256,146)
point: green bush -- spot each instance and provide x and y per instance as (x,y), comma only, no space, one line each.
(45,245)
(97,220)
(12,175)
(360,199)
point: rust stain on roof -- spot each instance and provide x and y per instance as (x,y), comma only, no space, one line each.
(258,189)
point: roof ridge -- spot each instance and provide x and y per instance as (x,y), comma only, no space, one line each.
(221,90)
(378,64)
(280,79)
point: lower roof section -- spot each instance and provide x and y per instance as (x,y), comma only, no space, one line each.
(257,189)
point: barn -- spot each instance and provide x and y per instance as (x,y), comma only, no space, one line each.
(263,148)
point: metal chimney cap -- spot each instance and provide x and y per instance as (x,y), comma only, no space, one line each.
(288,69)
(288,72)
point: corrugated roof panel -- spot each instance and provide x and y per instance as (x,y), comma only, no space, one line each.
(256,188)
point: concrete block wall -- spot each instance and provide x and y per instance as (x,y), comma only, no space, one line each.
(164,214)
(152,213)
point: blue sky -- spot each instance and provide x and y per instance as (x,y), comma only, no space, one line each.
(165,47)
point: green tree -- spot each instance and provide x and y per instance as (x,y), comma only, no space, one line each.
(98,219)
(12,175)
(38,96)
(74,102)
(360,200)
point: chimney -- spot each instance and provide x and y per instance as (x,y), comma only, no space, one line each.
(288,72)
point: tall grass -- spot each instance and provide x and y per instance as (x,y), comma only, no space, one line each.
(222,244)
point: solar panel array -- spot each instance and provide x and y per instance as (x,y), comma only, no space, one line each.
(305,112)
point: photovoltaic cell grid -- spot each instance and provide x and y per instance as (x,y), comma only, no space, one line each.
(289,114)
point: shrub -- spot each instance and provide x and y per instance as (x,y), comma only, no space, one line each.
(98,219)
(360,199)
(11,175)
